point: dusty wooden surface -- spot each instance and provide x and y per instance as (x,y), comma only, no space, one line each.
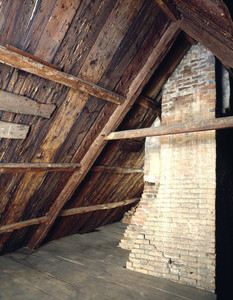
(22,105)
(13,131)
(87,266)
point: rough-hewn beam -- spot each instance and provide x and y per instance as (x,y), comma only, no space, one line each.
(98,144)
(204,125)
(30,65)
(38,167)
(22,105)
(66,212)
(19,225)
(81,210)
(119,170)
(13,131)
(223,52)
(11,48)
(169,9)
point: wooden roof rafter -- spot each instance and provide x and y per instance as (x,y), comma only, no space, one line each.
(169,9)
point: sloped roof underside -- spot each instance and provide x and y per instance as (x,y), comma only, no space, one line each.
(119,45)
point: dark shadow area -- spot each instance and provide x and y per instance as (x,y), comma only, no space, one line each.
(229,4)
(224,199)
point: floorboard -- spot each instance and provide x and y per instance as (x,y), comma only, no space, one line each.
(84,266)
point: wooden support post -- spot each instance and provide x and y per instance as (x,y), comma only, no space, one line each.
(22,224)
(13,131)
(119,170)
(38,167)
(169,9)
(22,105)
(81,210)
(204,125)
(32,66)
(98,144)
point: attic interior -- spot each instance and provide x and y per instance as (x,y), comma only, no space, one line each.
(74,72)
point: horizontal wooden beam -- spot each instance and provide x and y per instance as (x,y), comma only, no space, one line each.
(22,105)
(204,125)
(119,170)
(13,49)
(66,212)
(169,9)
(13,130)
(32,66)
(38,167)
(81,210)
(22,224)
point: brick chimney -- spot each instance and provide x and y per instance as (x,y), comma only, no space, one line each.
(176,239)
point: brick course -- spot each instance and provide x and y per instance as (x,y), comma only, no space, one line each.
(177,239)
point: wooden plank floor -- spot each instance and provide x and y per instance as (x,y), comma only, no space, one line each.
(87,266)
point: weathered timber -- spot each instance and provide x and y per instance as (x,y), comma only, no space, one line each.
(149,104)
(13,131)
(81,210)
(119,170)
(22,105)
(215,17)
(29,65)
(169,9)
(153,61)
(50,24)
(204,125)
(223,52)
(19,225)
(13,49)
(38,167)
(72,106)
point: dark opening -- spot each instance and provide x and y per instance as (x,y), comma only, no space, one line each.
(224,192)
